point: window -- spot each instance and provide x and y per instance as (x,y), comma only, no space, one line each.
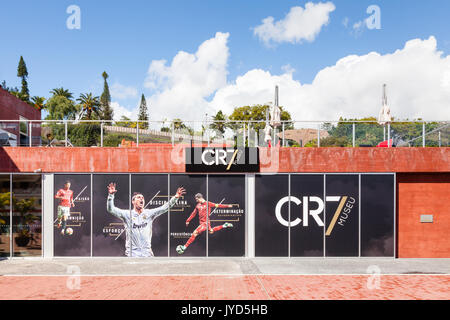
(23,125)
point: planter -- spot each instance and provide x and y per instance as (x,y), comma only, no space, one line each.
(22,241)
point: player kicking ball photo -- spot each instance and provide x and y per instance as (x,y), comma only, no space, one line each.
(138,223)
(203,208)
(65,196)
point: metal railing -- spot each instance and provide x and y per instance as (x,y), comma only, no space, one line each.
(342,133)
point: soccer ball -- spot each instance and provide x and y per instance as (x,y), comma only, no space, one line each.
(180,249)
(69,231)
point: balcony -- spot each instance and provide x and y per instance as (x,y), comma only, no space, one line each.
(96,133)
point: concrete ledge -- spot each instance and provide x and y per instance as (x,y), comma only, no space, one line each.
(222,266)
(168,159)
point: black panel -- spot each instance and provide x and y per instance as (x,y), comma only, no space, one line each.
(227,189)
(227,160)
(377,215)
(5,216)
(154,188)
(342,238)
(27,215)
(307,235)
(108,231)
(79,242)
(271,237)
(179,232)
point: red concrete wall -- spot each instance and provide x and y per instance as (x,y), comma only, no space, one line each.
(11,108)
(419,194)
(167,159)
(56,159)
(355,160)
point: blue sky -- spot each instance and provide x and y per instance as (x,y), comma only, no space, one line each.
(124,37)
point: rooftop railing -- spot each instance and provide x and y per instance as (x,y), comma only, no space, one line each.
(342,133)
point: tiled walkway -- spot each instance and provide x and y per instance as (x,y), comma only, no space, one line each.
(221,287)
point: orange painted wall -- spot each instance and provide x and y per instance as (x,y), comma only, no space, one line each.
(423,194)
(168,159)
(91,159)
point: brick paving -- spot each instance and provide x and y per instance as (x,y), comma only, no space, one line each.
(220,287)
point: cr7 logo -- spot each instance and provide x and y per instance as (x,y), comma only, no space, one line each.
(345,202)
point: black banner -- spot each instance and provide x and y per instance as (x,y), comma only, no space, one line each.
(226,160)
(229,240)
(222,309)
(211,215)
(271,216)
(109,235)
(377,215)
(342,215)
(154,188)
(72,237)
(307,216)
(182,234)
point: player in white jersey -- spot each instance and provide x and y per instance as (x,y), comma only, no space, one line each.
(138,223)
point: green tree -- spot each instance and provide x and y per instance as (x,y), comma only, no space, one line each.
(4,204)
(219,122)
(90,106)
(15,92)
(38,102)
(62,92)
(369,132)
(60,106)
(84,134)
(5,87)
(22,73)
(143,113)
(165,126)
(107,112)
(257,113)
(181,127)
(330,142)
(25,208)
(126,122)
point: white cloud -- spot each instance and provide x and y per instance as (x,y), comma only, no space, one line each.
(298,25)
(287,68)
(119,91)
(358,28)
(192,84)
(181,88)
(357,25)
(345,22)
(417,78)
(120,111)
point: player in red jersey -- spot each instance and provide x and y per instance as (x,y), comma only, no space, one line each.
(65,197)
(203,208)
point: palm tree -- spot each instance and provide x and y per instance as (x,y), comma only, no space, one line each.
(219,122)
(18,94)
(38,102)
(178,124)
(89,104)
(62,92)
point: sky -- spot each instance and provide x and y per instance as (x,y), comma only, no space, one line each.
(191,58)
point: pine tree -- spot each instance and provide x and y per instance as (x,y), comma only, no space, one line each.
(143,113)
(106,111)
(22,72)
